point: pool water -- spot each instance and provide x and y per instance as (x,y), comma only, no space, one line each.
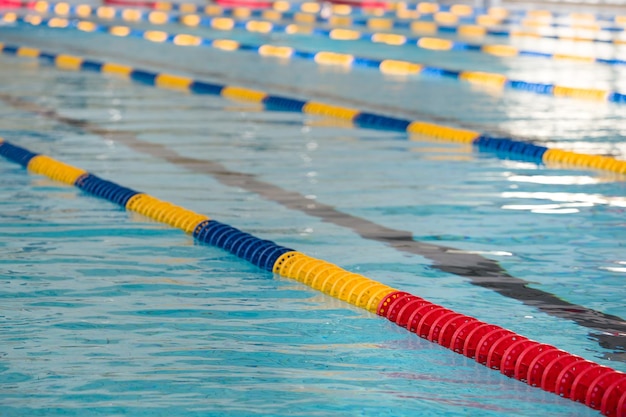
(107,313)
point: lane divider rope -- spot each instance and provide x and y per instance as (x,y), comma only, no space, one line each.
(453,21)
(505,12)
(223,19)
(494,12)
(401,9)
(537,364)
(385,66)
(444,22)
(502,147)
(490,16)
(584,25)
(459,15)
(479,28)
(279,5)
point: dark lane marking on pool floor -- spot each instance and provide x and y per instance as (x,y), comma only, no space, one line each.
(481,271)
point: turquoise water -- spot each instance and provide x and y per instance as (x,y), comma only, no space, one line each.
(107,313)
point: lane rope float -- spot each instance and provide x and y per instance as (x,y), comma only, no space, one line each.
(537,364)
(404,9)
(245,21)
(499,13)
(386,66)
(449,23)
(444,22)
(489,16)
(325,58)
(502,147)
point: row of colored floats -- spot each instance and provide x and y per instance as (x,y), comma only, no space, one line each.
(537,364)
(386,66)
(265,21)
(442,14)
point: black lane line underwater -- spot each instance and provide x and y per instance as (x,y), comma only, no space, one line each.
(608,330)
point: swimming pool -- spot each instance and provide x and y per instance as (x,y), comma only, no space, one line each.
(109,313)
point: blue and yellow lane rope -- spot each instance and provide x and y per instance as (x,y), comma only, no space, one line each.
(491,15)
(402,10)
(385,66)
(283,6)
(487,344)
(588,26)
(501,13)
(218,18)
(352,288)
(280,6)
(480,27)
(462,14)
(505,148)
(439,22)
(446,22)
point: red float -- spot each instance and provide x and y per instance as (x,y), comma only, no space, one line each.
(621,406)
(499,347)
(448,330)
(435,329)
(251,4)
(567,376)
(423,327)
(510,355)
(554,368)
(611,397)
(395,307)
(583,381)
(385,304)
(416,316)
(473,338)
(408,309)
(131,3)
(459,337)
(599,386)
(489,339)
(526,357)
(16,4)
(538,366)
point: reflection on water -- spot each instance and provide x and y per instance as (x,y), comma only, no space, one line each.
(588,199)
